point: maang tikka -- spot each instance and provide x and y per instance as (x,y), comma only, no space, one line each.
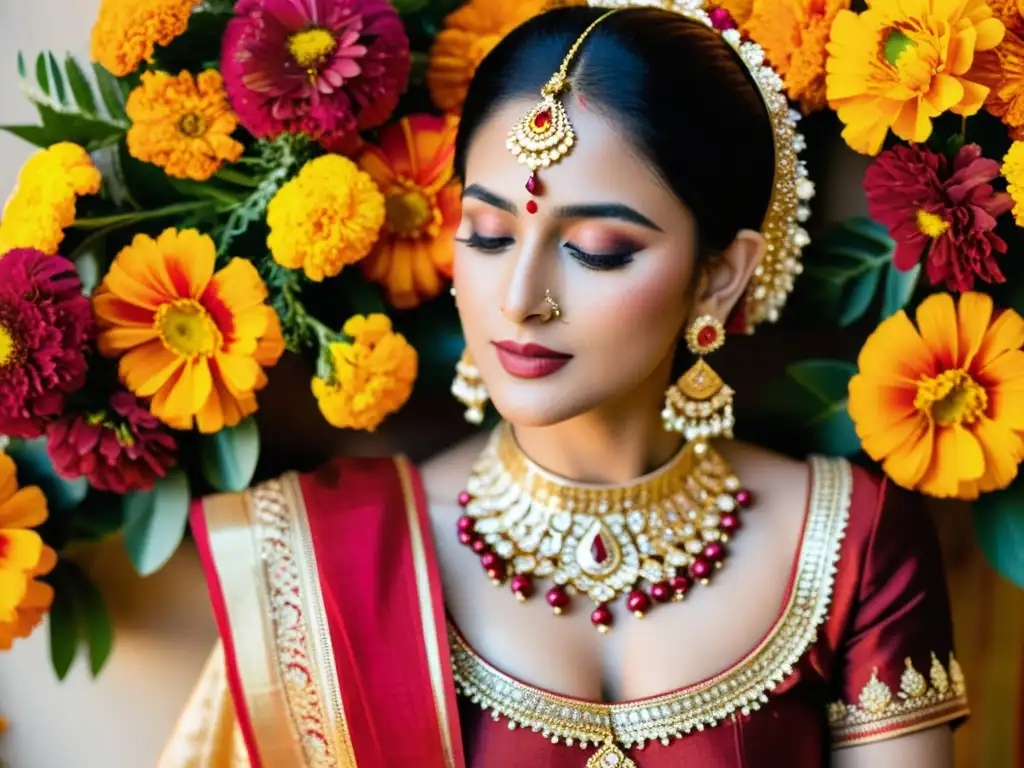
(544,135)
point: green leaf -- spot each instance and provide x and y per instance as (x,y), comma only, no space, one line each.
(229,457)
(409,6)
(155,522)
(899,287)
(22,67)
(36,135)
(859,295)
(59,88)
(91,132)
(35,468)
(43,73)
(80,86)
(110,92)
(999,524)
(63,622)
(93,619)
(811,400)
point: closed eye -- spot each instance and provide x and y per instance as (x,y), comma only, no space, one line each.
(487,244)
(600,261)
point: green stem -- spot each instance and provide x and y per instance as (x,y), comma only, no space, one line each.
(232,176)
(124,219)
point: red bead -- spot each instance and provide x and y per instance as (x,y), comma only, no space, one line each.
(464,498)
(601,618)
(466,523)
(729,523)
(466,538)
(542,119)
(701,568)
(721,19)
(707,336)
(479,546)
(531,206)
(638,602)
(522,586)
(558,598)
(662,591)
(681,584)
(744,498)
(489,560)
(533,185)
(714,551)
(497,573)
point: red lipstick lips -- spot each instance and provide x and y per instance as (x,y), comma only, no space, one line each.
(529,361)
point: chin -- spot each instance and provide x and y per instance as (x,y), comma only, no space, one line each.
(540,406)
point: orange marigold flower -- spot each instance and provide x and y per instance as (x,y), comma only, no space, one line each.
(942,404)
(413,167)
(194,340)
(367,375)
(468,35)
(793,34)
(23,556)
(1002,70)
(1009,12)
(42,205)
(740,10)
(899,65)
(183,124)
(127,31)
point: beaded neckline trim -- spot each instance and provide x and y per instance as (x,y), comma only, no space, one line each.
(742,688)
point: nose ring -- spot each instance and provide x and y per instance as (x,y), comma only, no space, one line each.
(556,311)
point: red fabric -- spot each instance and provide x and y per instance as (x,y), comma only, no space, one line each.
(220,613)
(363,546)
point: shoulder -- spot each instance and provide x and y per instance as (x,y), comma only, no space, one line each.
(444,475)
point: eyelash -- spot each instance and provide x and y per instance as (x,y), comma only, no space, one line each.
(596,262)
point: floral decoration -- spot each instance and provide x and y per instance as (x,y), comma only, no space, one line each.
(945,211)
(128,32)
(413,166)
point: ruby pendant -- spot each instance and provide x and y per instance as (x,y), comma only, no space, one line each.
(598,550)
(542,120)
(533,184)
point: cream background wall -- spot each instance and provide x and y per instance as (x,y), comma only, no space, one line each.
(164,627)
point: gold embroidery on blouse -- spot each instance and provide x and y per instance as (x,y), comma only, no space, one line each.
(742,688)
(300,641)
(918,703)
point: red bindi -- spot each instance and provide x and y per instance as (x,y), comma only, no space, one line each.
(531,206)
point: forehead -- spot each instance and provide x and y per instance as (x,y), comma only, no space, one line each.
(603,165)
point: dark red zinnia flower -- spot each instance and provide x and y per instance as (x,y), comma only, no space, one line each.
(321,67)
(948,210)
(122,449)
(45,324)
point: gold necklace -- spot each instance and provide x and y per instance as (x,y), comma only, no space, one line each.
(665,530)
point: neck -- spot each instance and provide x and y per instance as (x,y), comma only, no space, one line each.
(614,443)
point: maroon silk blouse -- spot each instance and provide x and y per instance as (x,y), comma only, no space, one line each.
(861,651)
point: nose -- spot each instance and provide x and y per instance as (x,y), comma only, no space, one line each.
(530,277)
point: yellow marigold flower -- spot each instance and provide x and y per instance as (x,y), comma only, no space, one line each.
(328,216)
(127,31)
(1009,12)
(42,205)
(193,340)
(371,374)
(899,65)
(793,34)
(413,165)
(183,124)
(1013,171)
(740,10)
(468,35)
(23,556)
(1002,70)
(942,404)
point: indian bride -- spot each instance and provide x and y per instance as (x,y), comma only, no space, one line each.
(632,190)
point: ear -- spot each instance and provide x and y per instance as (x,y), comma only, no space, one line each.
(724,279)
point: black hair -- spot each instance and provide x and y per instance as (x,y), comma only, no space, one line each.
(671,84)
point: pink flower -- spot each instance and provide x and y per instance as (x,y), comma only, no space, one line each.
(45,324)
(321,67)
(122,449)
(947,210)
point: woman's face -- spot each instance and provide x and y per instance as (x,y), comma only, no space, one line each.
(611,243)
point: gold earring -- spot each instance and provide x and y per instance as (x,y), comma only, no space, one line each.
(468,388)
(699,405)
(556,311)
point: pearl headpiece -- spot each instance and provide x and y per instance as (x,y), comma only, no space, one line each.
(544,136)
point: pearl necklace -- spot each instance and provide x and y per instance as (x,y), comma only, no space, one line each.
(650,539)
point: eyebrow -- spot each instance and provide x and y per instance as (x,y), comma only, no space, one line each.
(582,211)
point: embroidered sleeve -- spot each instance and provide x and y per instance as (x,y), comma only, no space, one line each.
(896,671)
